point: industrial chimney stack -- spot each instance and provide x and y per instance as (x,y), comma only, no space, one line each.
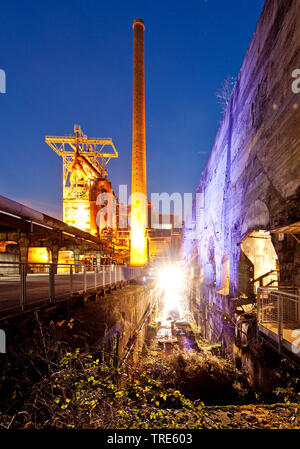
(138,254)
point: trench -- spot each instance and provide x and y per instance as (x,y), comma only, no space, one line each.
(167,344)
(211,375)
(171,338)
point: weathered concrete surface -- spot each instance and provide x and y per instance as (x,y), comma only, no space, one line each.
(252,178)
(115,319)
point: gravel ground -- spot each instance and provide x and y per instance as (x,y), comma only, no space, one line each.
(274,416)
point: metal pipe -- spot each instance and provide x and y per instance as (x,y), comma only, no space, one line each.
(27,213)
(14,208)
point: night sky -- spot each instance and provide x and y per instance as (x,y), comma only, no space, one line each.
(70,62)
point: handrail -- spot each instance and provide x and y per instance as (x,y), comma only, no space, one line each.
(49,285)
(59,264)
(278,317)
(280,292)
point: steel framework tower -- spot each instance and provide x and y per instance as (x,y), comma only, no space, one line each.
(138,253)
(84,161)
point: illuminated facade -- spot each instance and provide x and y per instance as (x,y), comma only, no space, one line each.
(245,233)
(39,255)
(138,253)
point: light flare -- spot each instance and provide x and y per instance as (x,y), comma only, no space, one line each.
(171,280)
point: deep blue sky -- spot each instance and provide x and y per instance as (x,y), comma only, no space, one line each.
(70,62)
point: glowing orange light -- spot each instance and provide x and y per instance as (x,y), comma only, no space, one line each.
(138,253)
(38,255)
(78,214)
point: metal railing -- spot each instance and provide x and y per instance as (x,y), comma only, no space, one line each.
(278,316)
(24,285)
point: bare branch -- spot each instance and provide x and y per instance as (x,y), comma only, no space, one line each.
(224,94)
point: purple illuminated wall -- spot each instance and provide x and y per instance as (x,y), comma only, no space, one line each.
(252,178)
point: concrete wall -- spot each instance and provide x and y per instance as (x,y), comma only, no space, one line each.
(113,321)
(252,178)
(111,324)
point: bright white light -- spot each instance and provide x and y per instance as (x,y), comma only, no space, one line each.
(171,279)
(172,301)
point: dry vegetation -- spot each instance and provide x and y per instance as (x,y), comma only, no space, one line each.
(202,376)
(47,384)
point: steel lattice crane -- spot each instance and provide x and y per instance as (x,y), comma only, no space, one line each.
(84,175)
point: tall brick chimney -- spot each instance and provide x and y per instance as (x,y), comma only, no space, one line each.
(138,253)
(139,180)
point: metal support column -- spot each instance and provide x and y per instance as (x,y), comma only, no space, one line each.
(23,271)
(84,279)
(52,282)
(279,305)
(71,280)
